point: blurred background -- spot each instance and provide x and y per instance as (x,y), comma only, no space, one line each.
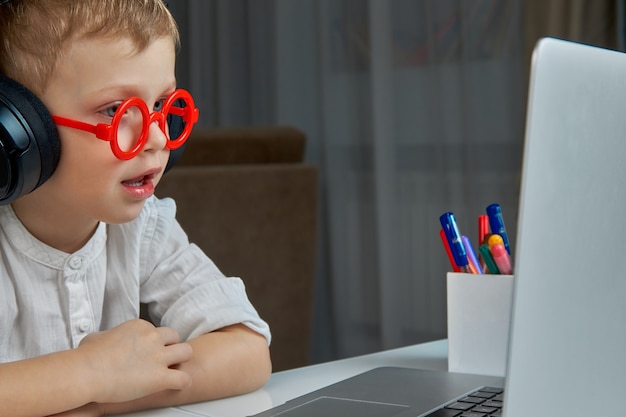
(411,108)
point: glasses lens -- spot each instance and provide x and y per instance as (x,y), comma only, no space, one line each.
(130,128)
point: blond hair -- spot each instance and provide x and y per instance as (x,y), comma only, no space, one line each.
(34,33)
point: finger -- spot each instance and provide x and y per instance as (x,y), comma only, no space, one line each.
(168,335)
(178,353)
(176,379)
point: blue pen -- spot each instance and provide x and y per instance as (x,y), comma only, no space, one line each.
(448,223)
(497,224)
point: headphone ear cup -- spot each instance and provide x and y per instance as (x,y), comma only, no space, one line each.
(29,141)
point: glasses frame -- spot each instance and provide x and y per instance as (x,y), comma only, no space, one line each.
(108,132)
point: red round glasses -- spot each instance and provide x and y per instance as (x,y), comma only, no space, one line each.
(175,119)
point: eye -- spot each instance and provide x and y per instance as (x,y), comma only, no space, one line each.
(110,111)
(158,106)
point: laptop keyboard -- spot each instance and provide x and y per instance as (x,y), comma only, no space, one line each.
(485,402)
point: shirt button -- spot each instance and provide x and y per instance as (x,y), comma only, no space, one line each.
(84,325)
(76,262)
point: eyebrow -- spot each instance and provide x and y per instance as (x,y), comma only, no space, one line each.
(122,92)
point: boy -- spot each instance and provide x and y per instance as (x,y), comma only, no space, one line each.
(81,251)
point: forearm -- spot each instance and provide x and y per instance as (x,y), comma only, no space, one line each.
(32,387)
(227,362)
(130,361)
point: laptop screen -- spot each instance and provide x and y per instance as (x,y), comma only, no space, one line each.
(568,338)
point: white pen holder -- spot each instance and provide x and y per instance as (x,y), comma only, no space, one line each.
(479,314)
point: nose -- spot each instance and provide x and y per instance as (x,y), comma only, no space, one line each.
(157,138)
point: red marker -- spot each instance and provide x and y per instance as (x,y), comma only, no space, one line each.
(483,228)
(483,232)
(446,245)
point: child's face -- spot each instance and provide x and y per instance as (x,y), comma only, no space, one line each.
(92,78)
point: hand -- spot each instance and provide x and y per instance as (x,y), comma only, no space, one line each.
(135,359)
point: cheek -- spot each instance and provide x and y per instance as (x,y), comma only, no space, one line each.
(77,145)
(86,158)
(130,130)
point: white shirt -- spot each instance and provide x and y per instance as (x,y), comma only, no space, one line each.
(50,300)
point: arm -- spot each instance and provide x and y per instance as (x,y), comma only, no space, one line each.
(230,361)
(130,361)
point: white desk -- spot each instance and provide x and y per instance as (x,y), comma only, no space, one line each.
(286,385)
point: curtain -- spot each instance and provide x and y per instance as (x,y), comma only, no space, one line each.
(411,108)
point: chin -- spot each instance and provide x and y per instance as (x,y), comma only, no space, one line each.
(127,214)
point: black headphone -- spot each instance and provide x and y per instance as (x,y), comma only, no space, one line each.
(29,141)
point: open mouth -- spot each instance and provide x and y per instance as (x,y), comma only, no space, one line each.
(140,188)
(135,182)
(139,181)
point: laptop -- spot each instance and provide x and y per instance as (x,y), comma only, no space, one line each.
(567,343)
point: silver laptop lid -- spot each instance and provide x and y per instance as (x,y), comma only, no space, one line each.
(568,336)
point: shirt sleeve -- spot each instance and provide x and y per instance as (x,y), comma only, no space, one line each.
(183,288)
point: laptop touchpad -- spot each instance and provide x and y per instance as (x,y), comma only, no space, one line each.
(327,406)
